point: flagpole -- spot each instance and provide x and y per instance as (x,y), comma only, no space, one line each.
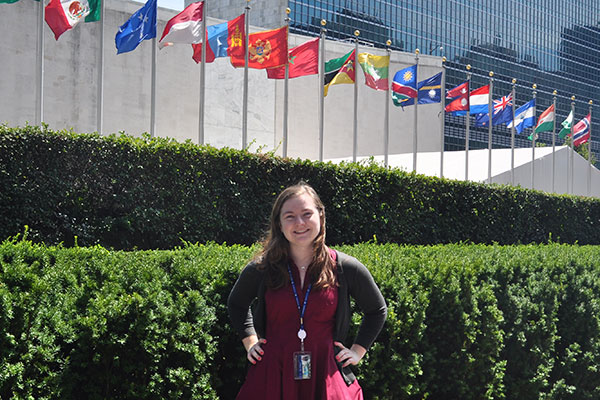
(589,176)
(490,114)
(512,134)
(285,90)
(570,170)
(467,122)
(355,127)
(416,100)
(554,140)
(245,99)
(534,86)
(153,90)
(100,97)
(321,87)
(40,66)
(443,113)
(386,139)
(202,78)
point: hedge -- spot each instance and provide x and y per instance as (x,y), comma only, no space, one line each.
(151,193)
(465,322)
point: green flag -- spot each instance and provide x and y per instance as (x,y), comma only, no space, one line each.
(8,1)
(566,130)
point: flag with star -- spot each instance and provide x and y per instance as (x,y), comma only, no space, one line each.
(430,90)
(140,26)
(340,70)
(404,86)
(303,60)
(376,70)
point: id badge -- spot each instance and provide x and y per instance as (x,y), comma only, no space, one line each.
(302,365)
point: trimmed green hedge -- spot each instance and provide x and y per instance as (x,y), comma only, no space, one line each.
(465,322)
(127,193)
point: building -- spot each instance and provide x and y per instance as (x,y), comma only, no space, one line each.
(72,74)
(553,44)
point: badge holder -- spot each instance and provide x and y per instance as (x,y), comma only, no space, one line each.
(302,359)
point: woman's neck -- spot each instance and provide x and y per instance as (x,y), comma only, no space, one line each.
(302,257)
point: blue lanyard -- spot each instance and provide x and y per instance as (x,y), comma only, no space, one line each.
(301,311)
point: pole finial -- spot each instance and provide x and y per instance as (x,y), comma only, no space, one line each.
(357,33)
(514,81)
(323,22)
(555,92)
(534,86)
(444,59)
(288,11)
(388,42)
(572,98)
(417,51)
(591,102)
(491,73)
(468,67)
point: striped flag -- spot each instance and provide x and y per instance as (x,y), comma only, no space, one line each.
(581,131)
(546,121)
(404,86)
(376,70)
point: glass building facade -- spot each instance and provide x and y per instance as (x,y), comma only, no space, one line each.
(554,44)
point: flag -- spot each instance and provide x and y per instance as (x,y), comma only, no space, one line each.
(404,86)
(303,60)
(340,70)
(376,69)
(479,100)
(460,105)
(62,15)
(430,89)
(8,1)
(524,117)
(502,112)
(566,130)
(95,9)
(185,27)
(222,40)
(140,26)
(546,121)
(266,49)
(581,131)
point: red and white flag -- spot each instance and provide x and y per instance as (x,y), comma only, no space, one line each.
(62,15)
(185,27)
(581,131)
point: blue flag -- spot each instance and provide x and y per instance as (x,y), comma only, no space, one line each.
(524,117)
(430,89)
(502,112)
(404,86)
(140,26)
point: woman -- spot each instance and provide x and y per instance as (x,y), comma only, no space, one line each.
(295,333)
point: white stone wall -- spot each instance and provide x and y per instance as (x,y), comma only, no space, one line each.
(71,91)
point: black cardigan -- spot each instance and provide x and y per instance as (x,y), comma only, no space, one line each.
(354,280)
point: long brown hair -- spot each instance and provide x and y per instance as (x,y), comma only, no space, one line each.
(274,256)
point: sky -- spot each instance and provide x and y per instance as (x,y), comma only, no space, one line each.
(172,4)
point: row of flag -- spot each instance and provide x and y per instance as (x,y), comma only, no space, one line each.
(476,102)
(269,50)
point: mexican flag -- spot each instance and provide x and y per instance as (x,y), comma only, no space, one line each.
(62,15)
(566,130)
(376,70)
(546,121)
(340,70)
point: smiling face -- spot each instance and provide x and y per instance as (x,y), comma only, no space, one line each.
(300,220)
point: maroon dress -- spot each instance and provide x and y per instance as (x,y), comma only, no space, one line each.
(272,378)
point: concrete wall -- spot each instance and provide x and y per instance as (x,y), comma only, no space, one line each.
(71,91)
